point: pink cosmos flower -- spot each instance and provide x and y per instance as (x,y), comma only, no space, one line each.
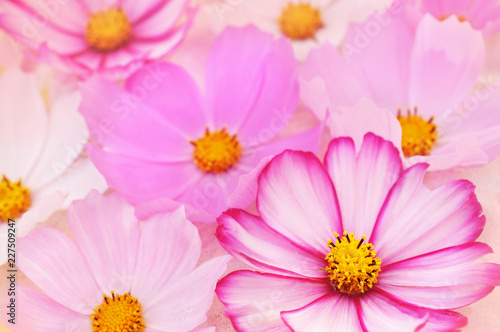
(117,265)
(481,14)
(41,140)
(112,38)
(427,79)
(354,244)
(161,137)
(307,23)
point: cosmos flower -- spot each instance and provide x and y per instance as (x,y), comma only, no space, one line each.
(119,275)
(481,14)
(41,139)
(307,23)
(112,38)
(354,244)
(427,79)
(161,137)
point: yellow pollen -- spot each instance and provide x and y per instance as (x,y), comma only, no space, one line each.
(216,152)
(118,313)
(352,267)
(300,21)
(108,30)
(461,18)
(419,135)
(14,199)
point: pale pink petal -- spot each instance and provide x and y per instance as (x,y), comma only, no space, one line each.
(330,313)
(98,5)
(248,238)
(21,141)
(450,297)
(171,91)
(447,267)
(379,313)
(379,50)
(158,19)
(36,312)
(58,269)
(254,301)
(364,177)
(184,304)
(142,181)
(296,198)
(121,121)
(415,220)
(368,118)
(65,141)
(441,73)
(169,249)
(249,79)
(107,234)
(164,205)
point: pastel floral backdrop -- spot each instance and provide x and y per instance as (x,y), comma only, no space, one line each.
(236,165)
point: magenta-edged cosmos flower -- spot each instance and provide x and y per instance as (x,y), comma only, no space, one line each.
(426,78)
(118,275)
(112,37)
(161,137)
(481,14)
(400,259)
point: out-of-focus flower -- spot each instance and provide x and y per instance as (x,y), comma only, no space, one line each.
(481,14)
(41,139)
(161,138)
(119,276)
(354,244)
(427,79)
(307,23)
(112,38)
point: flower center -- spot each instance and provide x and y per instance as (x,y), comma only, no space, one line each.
(118,313)
(14,199)
(216,152)
(352,267)
(300,21)
(419,135)
(108,30)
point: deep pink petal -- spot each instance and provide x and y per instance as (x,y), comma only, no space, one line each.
(171,91)
(52,261)
(36,312)
(142,181)
(253,301)
(183,305)
(248,238)
(121,122)
(250,81)
(169,249)
(364,177)
(442,73)
(296,198)
(415,220)
(107,234)
(330,313)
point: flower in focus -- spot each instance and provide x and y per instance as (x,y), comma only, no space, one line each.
(481,14)
(112,38)
(427,79)
(307,23)
(41,139)
(161,138)
(119,275)
(354,244)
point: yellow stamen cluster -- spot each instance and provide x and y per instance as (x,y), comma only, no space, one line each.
(352,267)
(300,21)
(14,199)
(108,30)
(118,313)
(419,135)
(216,152)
